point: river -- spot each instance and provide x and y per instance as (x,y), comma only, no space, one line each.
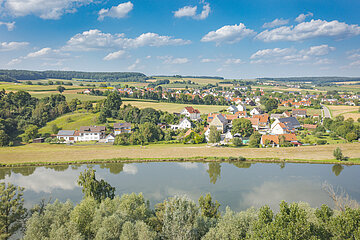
(238,185)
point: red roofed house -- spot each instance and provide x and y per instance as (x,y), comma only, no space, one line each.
(193,114)
(274,140)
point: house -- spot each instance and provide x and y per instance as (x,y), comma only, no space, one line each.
(263,124)
(299,112)
(122,128)
(110,138)
(256,111)
(190,112)
(254,122)
(285,125)
(276,115)
(286,114)
(274,140)
(67,135)
(241,107)
(87,91)
(183,124)
(220,122)
(310,126)
(232,109)
(38,140)
(91,133)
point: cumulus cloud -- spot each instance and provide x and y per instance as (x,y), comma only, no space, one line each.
(95,39)
(233,61)
(189,11)
(46,9)
(9,25)
(312,29)
(303,16)
(354,56)
(10,46)
(119,11)
(44,53)
(228,34)
(114,55)
(277,22)
(288,55)
(134,65)
(208,60)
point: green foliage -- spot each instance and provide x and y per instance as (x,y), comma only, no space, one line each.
(4,139)
(112,104)
(242,126)
(338,154)
(351,136)
(237,141)
(209,208)
(214,135)
(30,133)
(91,187)
(61,89)
(214,171)
(12,211)
(321,142)
(271,104)
(254,140)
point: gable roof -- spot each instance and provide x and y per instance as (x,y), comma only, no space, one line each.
(289,137)
(98,129)
(299,111)
(66,133)
(122,125)
(192,110)
(289,122)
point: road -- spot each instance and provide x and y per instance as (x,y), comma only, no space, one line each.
(326,112)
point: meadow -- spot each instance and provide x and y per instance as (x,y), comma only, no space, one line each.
(344,110)
(44,153)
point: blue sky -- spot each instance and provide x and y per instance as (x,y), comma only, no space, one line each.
(229,38)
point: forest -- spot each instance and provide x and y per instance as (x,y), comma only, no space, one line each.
(315,80)
(103,215)
(94,76)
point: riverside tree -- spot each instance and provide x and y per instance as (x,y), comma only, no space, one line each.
(242,126)
(12,211)
(214,135)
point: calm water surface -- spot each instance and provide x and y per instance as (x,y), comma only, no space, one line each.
(238,185)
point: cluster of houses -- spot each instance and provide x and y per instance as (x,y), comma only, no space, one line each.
(93,133)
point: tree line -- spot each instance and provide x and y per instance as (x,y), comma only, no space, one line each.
(96,76)
(103,215)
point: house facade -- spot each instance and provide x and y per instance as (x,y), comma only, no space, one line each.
(122,128)
(219,122)
(190,112)
(183,124)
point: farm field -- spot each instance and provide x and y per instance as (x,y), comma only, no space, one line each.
(346,111)
(69,95)
(47,153)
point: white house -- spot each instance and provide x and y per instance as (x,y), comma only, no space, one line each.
(232,109)
(241,107)
(109,138)
(256,111)
(67,135)
(190,112)
(122,128)
(284,125)
(184,124)
(91,133)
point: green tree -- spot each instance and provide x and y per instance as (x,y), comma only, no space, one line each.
(214,171)
(60,89)
(54,129)
(31,132)
(150,132)
(4,139)
(214,135)
(12,211)
(209,208)
(91,187)
(338,154)
(237,141)
(351,136)
(242,126)
(271,104)
(254,140)
(112,104)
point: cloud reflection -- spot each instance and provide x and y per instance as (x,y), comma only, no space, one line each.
(188,165)
(130,169)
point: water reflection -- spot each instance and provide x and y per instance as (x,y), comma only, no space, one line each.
(236,184)
(337,169)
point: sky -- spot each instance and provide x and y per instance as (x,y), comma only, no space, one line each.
(227,38)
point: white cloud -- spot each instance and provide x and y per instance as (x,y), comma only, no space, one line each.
(228,34)
(44,53)
(323,61)
(114,55)
(95,39)
(312,29)
(189,11)
(171,60)
(288,55)
(208,60)
(233,61)
(9,25)
(277,22)
(355,63)
(303,16)
(119,11)
(134,65)
(10,46)
(46,9)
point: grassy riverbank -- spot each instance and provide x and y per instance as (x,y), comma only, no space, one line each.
(41,154)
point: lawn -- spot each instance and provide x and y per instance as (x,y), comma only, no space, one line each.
(47,153)
(344,110)
(33,88)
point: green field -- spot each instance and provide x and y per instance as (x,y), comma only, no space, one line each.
(69,96)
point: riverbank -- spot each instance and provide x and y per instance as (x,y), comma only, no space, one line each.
(48,154)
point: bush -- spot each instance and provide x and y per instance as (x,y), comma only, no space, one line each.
(241,158)
(338,154)
(321,142)
(237,141)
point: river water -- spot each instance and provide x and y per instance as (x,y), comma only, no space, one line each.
(238,185)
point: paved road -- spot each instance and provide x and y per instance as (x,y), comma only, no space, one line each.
(326,112)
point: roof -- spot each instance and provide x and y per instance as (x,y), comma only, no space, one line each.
(254,121)
(122,125)
(66,133)
(192,110)
(263,118)
(221,118)
(310,126)
(84,129)
(289,137)
(299,111)
(290,122)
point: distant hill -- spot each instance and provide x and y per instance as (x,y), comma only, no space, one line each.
(180,76)
(316,80)
(92,76)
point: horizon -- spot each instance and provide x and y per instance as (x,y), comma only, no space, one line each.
(236,40)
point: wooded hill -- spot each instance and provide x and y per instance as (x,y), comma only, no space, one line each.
(316,80)
(14,75)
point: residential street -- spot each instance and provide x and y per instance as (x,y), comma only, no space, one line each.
(326,112)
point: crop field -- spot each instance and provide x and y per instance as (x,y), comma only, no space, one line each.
(47,153)
(201,81)
(346,111)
